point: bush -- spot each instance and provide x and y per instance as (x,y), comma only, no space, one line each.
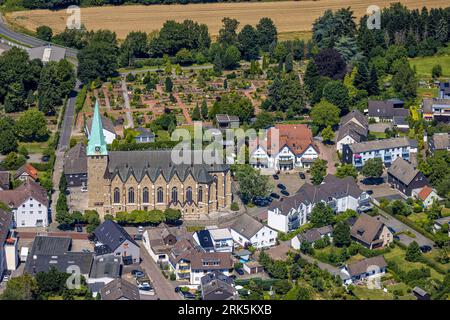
(172,277)
(234,206)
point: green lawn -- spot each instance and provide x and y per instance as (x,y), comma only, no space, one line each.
(35,147)
(162,135)
(424,65)
(378,135)
(420,218)
(365,293)
(398,255)
(427,92)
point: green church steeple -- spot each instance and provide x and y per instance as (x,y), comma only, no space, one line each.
(97,145)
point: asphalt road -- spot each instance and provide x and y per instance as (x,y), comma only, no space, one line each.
(164,288)
(28,40)
(68,120)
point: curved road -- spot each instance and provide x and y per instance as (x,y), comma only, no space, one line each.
(29,40)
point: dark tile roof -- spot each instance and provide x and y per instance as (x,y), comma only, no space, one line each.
(315,234)
(332,187)
(441,141)
(359,267)
(112,235)
(387,108)
(403,170)
(246,226)
(383,144)
(366,229)
(5,178)
(106,267)
(75,160)
(355,115)
(120,289)
(428,103)
(217,286)
(6,219)
(50,252)
(107,124)
(159,162)
(353,130)
(204,239)
(29,189)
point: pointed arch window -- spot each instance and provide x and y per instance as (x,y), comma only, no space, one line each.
(174,195)
(189,195)
(131,195)
(116,195)
(200,194)
(145,195)
(160,195)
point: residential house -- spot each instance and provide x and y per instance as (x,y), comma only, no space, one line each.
(436,109)
(444,90)
(120,289)
(144,136)
(371,232)
(225,121)
(159,241)
(439,141)
(214,240)
(108,129)
(366,269)
(404,177)
(112,238)
(191,263)
(104,269)
(387,150)
(427,195)
(48,252)
(26,172)
(353,128)
(5,180)
(75,166)
(217,286)
(287,214)
(401,123)
(247,231)
(29,204)
(386,110)
(312,236)
(6,224)
(285,147)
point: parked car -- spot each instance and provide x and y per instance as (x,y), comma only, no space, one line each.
(86,250)
(240,272)
(84,189)
(145,286)
(188,295)
(141,229)
(260,201)
(425,248)
(369,192)
(275,195)
(276,177)
(137,237)
(284,192)
(79,228)
(302,175)
(281,186)
(137,274)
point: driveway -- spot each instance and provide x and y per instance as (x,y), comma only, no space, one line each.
(328,153)
(164,288)
(399,226)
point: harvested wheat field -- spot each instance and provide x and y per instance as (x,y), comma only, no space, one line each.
(289,16)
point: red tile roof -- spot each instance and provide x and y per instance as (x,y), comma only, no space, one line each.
(424,193)
(297,137)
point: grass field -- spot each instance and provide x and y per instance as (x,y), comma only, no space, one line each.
(424,65)
(290,17)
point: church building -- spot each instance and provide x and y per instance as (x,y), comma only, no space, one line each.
(146,180)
